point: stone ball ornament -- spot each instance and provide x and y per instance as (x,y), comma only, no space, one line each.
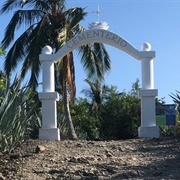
(146,46)
(47,50)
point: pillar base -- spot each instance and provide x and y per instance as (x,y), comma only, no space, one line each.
(148,132)
(49,134)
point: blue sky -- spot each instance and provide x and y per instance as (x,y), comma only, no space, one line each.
(137,21)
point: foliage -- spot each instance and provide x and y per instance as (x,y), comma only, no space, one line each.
(4,82)
(171,130)
(15,117)
(33,103)
(86,124)
(168,130)
(159,106)
(120,116)
(2,51)
(94,95)
(177,127)
(176,99)
(49,23)
(135,88)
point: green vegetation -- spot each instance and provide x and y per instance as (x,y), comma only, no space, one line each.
(107,114)
(111,115)
(176,99)
(18,116)
(2,51)
(50,23)
(103,114)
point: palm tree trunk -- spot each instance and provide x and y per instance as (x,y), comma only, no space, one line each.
(71,131)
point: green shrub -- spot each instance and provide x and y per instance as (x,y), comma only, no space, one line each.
(86,125)
(15,118)
(120,117)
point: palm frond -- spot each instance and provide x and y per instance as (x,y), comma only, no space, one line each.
(37,40)
(25,67)
(9,5)
(87,60)
(44,5)
(176,97)
(49,6)
(78,29)
(95,91)
(95,60)
(74,16)
(27,17)
(17,52)
(103,57)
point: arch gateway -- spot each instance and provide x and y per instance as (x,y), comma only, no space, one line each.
(147,93)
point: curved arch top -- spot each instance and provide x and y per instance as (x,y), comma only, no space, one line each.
(49,96)
(98,36)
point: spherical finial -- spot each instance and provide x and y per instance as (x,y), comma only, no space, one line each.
(146,47)
(47,50)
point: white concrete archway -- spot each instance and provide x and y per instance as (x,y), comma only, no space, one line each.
(148,128)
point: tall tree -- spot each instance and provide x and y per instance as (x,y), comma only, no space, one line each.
(95,94)
(49,23)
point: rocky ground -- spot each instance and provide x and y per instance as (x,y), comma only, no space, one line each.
(111,160)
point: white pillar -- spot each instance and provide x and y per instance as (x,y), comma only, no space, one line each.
(48,97)
(147,94)
(147,68)
(48,76)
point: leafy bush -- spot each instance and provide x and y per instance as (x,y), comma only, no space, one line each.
(176,130)
(120,117)
(86,125)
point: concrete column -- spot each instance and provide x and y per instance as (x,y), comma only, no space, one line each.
(147,94)
(48,97)
(48,76)
(147,67)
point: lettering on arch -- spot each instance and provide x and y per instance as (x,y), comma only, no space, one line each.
(99,36)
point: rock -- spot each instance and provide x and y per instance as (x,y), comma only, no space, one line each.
(91,158)
(2,177)
(72,159)
(91,142)
(121,149)
(15,156)
(79,145)
(108,154)
(83,160)
(40,149)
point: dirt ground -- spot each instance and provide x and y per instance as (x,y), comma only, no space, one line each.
(152,159)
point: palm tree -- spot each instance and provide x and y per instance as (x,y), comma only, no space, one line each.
(95,94)
(49,23)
